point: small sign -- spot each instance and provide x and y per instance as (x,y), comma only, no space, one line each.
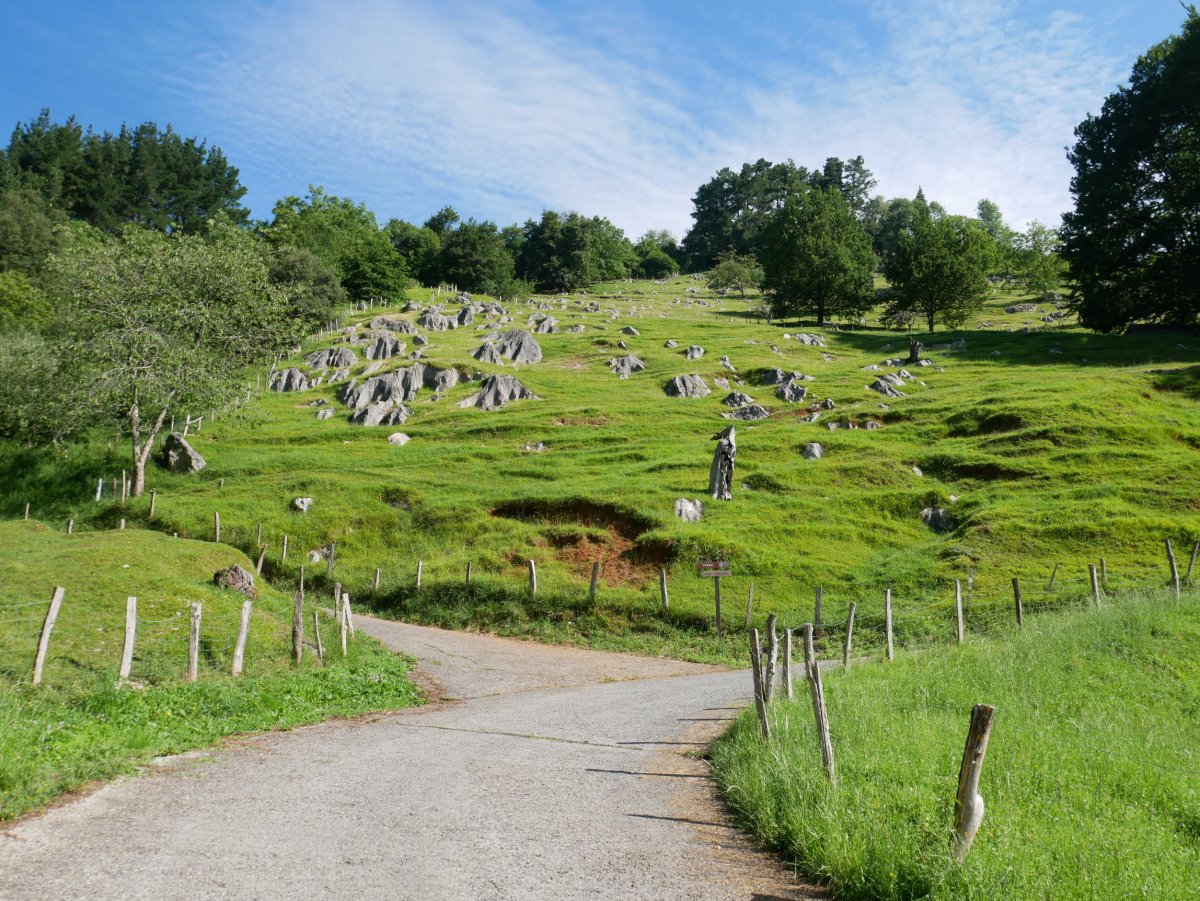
(714,569)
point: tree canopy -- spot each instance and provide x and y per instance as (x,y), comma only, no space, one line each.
(1132,241)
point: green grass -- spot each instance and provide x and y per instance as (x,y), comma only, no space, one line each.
(1053,458)
(1090,781)
(78,726)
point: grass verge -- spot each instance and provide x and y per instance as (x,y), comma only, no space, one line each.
(1090,782)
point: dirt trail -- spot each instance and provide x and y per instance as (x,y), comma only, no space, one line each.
(560,773)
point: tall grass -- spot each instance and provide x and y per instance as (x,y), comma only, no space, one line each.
(1091,782)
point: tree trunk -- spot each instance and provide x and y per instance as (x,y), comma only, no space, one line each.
(142,449)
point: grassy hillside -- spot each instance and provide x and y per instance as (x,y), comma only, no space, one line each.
(1090,781)
(1052,447)
(79,726)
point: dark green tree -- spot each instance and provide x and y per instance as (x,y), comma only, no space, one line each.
(817,258)
(736,272)
(312,285)
(565,251)
(473,256)
(1132,241)
(29,230)
(418,249)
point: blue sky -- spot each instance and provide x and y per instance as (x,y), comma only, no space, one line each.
(619,108)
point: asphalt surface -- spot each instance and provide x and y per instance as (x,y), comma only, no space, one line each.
(544,772)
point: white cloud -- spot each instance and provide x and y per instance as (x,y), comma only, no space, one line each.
(504,113)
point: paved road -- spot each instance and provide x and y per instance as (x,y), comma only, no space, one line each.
(547,772)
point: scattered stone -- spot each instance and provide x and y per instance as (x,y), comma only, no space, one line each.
(498,390)
(465,316)
(779,377)
(917,472)
(332,358)
(518,346)
(687,386)
(728,365)
(288,380)
(937,519)
(872,424)
(810,340)
(812,451)
(751,413)
(775,349)
(886,388)
(720,474)
(576,330)
(315,557)
(622,345)
(694,352)
(626,366)
(340,376)
(547,326)
(671,344)
(792,392)
(737,399)
(1021,308)
(533,448)
(387,412)
(303,504)
(436,322)
(828,403)
(327,413)
(420,341)
(236,579)
(179,456)
(689,510)
(630,330)
(383,347)
(399,439)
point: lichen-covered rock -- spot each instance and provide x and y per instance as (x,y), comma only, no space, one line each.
(812,451)
(179,456)
(332,358)
(626,366)
(792,392)
(694,352)
(383,347)
(687,386)
(235,578)
(689,510)
(496,391)
(291,379)
(518,346)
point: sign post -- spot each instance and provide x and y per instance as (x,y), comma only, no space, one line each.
(715,569)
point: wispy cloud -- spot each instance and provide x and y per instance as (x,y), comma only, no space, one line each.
(505,110)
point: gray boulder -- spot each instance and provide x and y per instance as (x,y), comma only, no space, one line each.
(386,412)
(237,579)
(630,330)
(547,326)
(671,344)
(465,316)
(725,362)
(179,456)
(720,473)
(383,347)
(436,322)
(886,388)
(812,451)
(288,380)
(496,391)
(737,399)
(1021,308)
(694,352)
(332,358)
(689,510)
(687,386)
(303,504)
(810,340)
(792,392)
(387,323)
(327,413)
(399,439)
(518,346)
(779,377)
(937,519)
(487,353)
(626,366)
(751,413)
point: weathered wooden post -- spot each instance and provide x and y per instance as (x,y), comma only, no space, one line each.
(1104,574)
(283,552)
(258,534)
(756,671)
(298,628)
(239,649)
(595,578)
(153,502)
(817,601)
(216,526)
(813,671)
(1016,584)
(849,636)
(749,604)
(1053,576)
(715,569)
(193,670)
(39,660)
(968,805)
(70,527)
(958,608)
(130,634)
(262,556)
(1192,562)
(342,626)
(375,581)
(532,579)
(1095,583)
(662,590)
(787,662)
(347,614)
(317,636)
(772,658)
(887,613)
(420,564)
(1174,568)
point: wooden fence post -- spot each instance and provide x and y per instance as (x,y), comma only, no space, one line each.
(787,662)
(749,604)
(298,628)
(1174,568)
(468,573)
(239,649)
(595,578)
(332,554)
(258,534)
(193,670)
(216,526)
(1192,562)
(1053,575)
(99,489)
(342,626)
(887,614)
(1095,583)
(153,502)
(347,614)
(662,590)
(262,555)
(1104,574)
(958,608)
(756,671)
(317,636)
(1016,583)
(130,633)
(817,601)
(970,585)
(717,589)
(532,579)
(70,527)
(121,526)
(39,661)
(849,636)
(772,658)
(420,564)
(968,805)
(375,581)
(813,671)
(283,553)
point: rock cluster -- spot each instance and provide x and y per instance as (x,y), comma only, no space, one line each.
(496,391)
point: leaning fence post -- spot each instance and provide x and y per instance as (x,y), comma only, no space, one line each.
(849,636)
(1192,562)
(887,613)
(756,671)
(239,649)
(262,555)
(958,611)
(820,595)
(813,671)
(1174,568)
(1053,575)
(420,564)
(1016,583)
(375,581)
(70,527)
(39,661)
(749,604)
(342,627)
(130,632)
(153,502)
(968,805)
(317,635)
(1095,583)
(347,615)
(193,670)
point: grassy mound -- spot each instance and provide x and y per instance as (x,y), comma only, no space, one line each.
(79,726)
(1090,781)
